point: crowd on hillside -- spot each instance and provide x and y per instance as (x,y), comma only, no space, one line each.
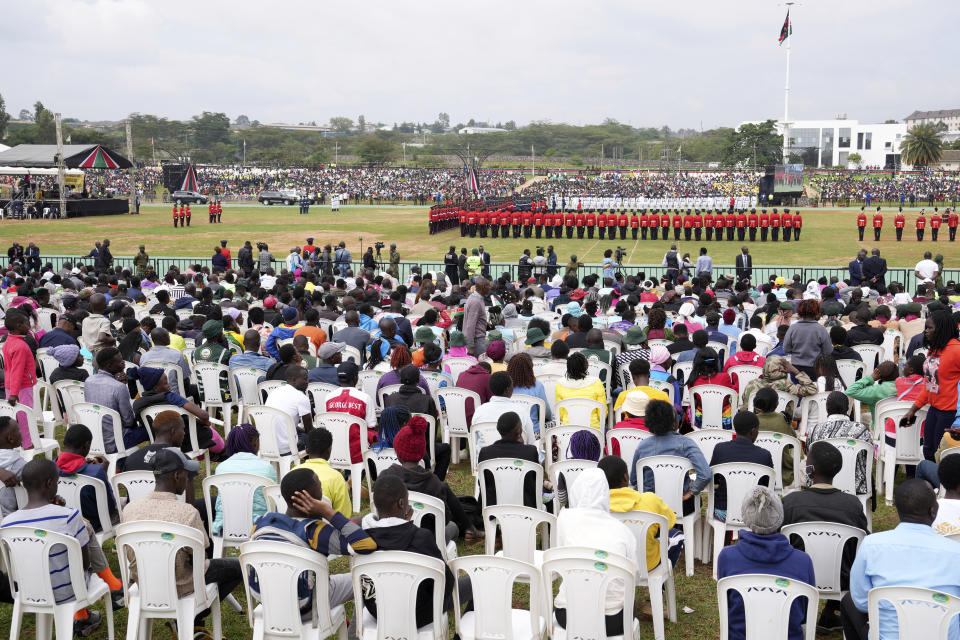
(906,189)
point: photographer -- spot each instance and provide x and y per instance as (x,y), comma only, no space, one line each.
(608,270)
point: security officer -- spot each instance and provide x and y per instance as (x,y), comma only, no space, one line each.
(898,224)
(394,269)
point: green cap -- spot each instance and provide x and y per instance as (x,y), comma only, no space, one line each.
(457,339)
(634,335)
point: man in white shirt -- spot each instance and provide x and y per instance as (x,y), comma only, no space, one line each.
(501,386)
(704,263)
(926,270)
(292,399)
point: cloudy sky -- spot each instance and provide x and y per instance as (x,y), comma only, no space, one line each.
(686,63)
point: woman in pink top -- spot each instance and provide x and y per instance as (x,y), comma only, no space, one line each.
(20,368)
(687,311)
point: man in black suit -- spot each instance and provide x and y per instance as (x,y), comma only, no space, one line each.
(740,449)
(875,271)
(856,268)
(744,264)
(510,445)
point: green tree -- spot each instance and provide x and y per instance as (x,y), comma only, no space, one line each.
(361,123)
(38,108)
(242,121)
(855,158)
(44,125)
(753,145)
(4,118)
(377,149)
(922,146)
(25,115)
(341,124)
(209,129)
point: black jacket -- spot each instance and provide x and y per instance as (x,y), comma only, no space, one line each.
(513,450)
(737,450)
(864,334)
(409,537)
(414,399)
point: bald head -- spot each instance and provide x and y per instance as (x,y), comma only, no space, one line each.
(388,328)
(160,336)
(98,303)
(251,340)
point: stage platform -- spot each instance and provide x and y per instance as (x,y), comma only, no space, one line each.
(78,207)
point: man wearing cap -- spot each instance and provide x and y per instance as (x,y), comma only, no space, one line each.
(330,355)
(171,471)
(215,347)
(62,334)
(285,331)
(349,399)
(762,549)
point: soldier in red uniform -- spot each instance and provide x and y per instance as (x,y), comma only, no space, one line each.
(752,222)
(877,224)
(665,224)
(569,220)
(581,223)
(188,216)
(952,221)
(654,223)
(472,223)
(935,222)
(730,222)
(708,224)
(921,225)
(741,225)
(644,224)
(504,224)
(516,218)
(590,220)
(774,226)
(797,225)
(538,223)
(861,223)
(462,217)
(677,224)
(898,224)
(183,216)
(483,219)
(602,223)
(212,211)
(175,215)
(786,221)
(687,225)
(219,211)
(697,225)
(225,252)
(634,223)
(527,224)
(623,221)
(432,220)
(764,221)
(718,223)
(557,224)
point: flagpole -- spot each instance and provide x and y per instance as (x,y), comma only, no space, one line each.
(786,90)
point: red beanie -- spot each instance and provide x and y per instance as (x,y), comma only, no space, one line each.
(410,442)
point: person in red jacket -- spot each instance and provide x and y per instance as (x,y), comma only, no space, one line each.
(665,224)
(581,223)
(623,221)
(483,219)
(644,224)
(472,223)
(219,210)
(752,221)
(764,221)
(538,223)
(921,225)
(528,224)
(634,223)
(677,224)
(786,225)
(898,224)
(212,211)
(516,218)
(613,222)
(708,224)
(571,219)
(654,224)
(730,222)
(590,219)
(687,225)
(462,218)
(183,215)
(175,217)
(601,223)
(741,225)
(718,224)
(557,225)
(952,221)
(935,222)
(877,224)
(774,226)
(697,225)
(797,225)
(861,223)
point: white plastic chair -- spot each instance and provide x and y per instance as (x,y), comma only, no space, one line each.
(264,388)
(661,576)
(846,480)
(567,471)
(721,348)
(739,478)
(746,373)
(41,446)
(457,365)
(268,421)
(243,388)
(785,401)
(824,542)
(338,424)
(69,488)
(850,371)
(48,413)
(275,501)
(872,355)
(530,402)
(454,425)
(173,372)
(274,613)
(708,439)
(148,414)
(775,443)
(628,440)
(893,345)
(136,484)
(580,411)
(767,601)
(508,476)
(26,556)
(908,449)
(669,473)
(352,353)
(712,397)
(429,513)
(493,615)
(396,577)
(925,612)
(154,546)
(367,381)
(586,575)
(93,415)
(234,495)
(318,393)
(481,435)
(385,391)
(47,364)
(561,435)
(208,376)
(376,462)
(68,393)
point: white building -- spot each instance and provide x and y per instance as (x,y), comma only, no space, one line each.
(468,130)
(830,143)
(948,117)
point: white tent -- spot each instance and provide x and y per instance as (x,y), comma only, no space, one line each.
(36,171)
(3,148)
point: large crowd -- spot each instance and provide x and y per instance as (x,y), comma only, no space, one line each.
(564,392)
(650,184)
(907,189)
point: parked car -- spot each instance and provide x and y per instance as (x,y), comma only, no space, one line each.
(188,197)
(283,196)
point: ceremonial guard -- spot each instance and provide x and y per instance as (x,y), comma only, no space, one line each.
(175,215)
(718,223)
(741,226)
(472,223)
(665,224)
(557,225)
(654,224)
(635,224)
(708,225)
(516,219)
(622,222)
(752,222)
(921,225)
(877,224)
(952,221)
(935,222)
(797,225)
(775,226)
(538,223)
(212,211)
(527,223)
(504,224)
(570,220)
(687,226)
(697,225)
(898,224)
(730,222)
(188,216)
(764,224)
(786,223)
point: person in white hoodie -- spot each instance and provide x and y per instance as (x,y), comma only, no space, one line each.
(587,523)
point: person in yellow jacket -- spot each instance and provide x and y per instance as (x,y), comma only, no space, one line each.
(624,499)
(473,264)
(577,384)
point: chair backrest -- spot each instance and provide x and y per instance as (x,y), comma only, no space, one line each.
(31,417)
(352,353)
(669,473)
(712,397)
(568,470)
(47,364)
(721,349)
(893,345)
(561,437)
(457,365)
(872,355)
(925,612)
(268,421)
(708,439)
(274,499)
(784,401)
(851,450)
(455,401)
(681,371)
(26,556)
(655,342)
(148,414)
(508,476)
(396,576)
(280,566)
(627,440)
(338,424)
(908,437)
(318,392)
(746,373)
(481,435)
(850,370)
(69,488)
(824,542)
(235,494)
(385,391)
(93,416)
(243,385)
(640,523)
(367,381)
(518,530)
(549,382)
(587,574)
(580,411)
(137,484)
(68,393)
(775,443)
(739,478)
(662,385)
(812,409)
(492,580)
(153,546)
(767,601)
(264,388)
(208,376)
(428,513)
(531,401)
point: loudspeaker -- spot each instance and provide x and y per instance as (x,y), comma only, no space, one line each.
(173,176)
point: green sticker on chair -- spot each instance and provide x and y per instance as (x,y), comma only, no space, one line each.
(600,566)
(416,505)
(40,533)
(851,442)
(600,554)
(518,463)
(777,436)
(782,582)
(166,536)
(942,598)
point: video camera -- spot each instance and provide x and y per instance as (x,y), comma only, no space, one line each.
(378,246)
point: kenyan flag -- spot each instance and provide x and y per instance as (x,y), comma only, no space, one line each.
(786,30)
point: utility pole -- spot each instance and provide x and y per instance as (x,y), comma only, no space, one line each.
(244,151)
(336,152)
(132,171)
(601,157)
(533,167)
(61,172)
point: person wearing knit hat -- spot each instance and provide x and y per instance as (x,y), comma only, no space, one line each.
(729,326)
(410,442)
(762,549)
(70,364)
(497,351)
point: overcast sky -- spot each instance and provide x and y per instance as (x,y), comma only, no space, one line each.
(685,63)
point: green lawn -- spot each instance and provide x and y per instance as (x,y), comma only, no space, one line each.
(829,236)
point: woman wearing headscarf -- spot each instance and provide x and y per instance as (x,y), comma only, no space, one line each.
(685,317)
(812,292)
(70,364)
(156,390)
(242,449)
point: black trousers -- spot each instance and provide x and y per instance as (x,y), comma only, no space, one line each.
(860,231)
(676,233)
(634,230)
(953,234)
(730,234)
(549,232)
(697,232)
(643,233)
(719,234)
(709,234)
(763,234)
(494,231)
(920,235)
(226,574)
(589,232)
(570,232)
(855,622)
(741,234)
(775,234)
(579,232)
(623,233)
(876,233)
(654,232)
(538,231)
(686,234)
(786,234)
(753,234)
(796,233)
(603,230)
(934,232)
(899,234)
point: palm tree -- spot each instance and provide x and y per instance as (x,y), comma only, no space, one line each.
(922,146)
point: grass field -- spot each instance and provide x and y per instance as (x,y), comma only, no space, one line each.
(829,236)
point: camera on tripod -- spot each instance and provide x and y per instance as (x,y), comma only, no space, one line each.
(378,246)
(619,253)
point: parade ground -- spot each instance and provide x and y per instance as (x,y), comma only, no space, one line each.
(828,236)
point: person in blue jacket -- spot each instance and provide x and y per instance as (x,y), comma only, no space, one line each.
(284,332)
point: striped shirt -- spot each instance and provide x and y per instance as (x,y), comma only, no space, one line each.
(52,517)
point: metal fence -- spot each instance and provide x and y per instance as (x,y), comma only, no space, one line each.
(761,273)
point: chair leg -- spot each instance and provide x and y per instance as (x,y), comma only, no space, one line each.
(356,481)
(108,604)
(718,535)
(16,619)
(671,597)
(889,472)
(185,615)
(232,602)
(342,632)
(134,622)
(63,621)
(217,624)
(217,546)
(656,607)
